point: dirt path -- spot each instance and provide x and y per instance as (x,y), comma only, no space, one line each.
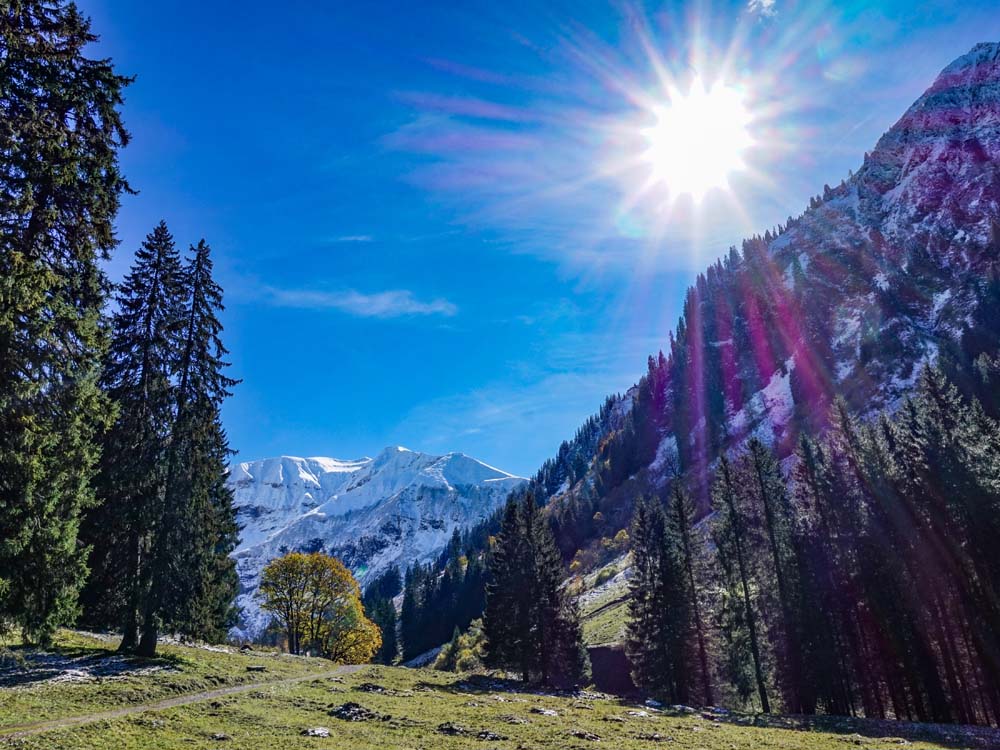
(25,730)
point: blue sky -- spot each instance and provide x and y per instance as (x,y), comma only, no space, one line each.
(420,212)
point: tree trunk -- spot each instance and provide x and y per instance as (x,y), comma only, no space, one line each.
(130,627)
(147,644)
(946,645)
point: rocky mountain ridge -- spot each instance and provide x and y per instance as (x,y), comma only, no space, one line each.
(395,509)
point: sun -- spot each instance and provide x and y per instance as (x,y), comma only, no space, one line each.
(698,139)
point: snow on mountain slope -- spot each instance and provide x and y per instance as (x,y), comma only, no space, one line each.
(397,508)
(884,271)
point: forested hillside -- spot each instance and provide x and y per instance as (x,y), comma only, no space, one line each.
(892,269)
(807,334)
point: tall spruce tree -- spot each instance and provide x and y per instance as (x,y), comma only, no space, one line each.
(194,581)
(946,453)
(689,550)
(380,609)
(770,502)
(60,132)
(531,625)
(844,513)
(563,659)
(411,614)
(826,607)
(507,620)
(648,642)
(383,613)
(132,481)
(665,641)
(734,539)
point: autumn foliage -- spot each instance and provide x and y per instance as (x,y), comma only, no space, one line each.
(317,602)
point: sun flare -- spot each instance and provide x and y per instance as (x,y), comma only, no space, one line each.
(698,139)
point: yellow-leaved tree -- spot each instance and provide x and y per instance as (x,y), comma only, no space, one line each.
(317,602)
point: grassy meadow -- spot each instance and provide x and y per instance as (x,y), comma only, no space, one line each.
(378,707)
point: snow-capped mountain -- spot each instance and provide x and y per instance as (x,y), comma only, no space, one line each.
(397,508)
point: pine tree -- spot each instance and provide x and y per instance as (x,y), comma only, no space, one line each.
(733,538)
(379,606)
(383,613)
(530,623)
(472,595)
(411,632)
(947,453)
(687,543)
(769,499)
(825,610)
(647,643)
(194,581)
(664,644)
(60,132)
(559,636)
(842,513)
(507,620)
(133,471)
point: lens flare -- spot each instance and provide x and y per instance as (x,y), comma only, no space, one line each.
(698,139)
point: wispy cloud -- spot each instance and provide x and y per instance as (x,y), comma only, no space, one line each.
(467,107)
(393,303)
(540,413)
(354,238)
(763,8)
(542,400)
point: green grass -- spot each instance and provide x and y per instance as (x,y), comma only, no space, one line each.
(606,625)
(419,701)
(29,698)
(605,612)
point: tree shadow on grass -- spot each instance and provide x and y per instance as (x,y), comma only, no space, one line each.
(479,684)
(883,733)
(880,733)
(22,665)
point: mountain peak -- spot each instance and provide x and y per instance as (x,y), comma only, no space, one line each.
(394,450)
(395,509)
(393,454)
(984,52)
(935,172)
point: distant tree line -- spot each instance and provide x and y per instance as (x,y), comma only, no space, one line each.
(867,583)
(449,593)
(380,606)
(437,598)
(112,454)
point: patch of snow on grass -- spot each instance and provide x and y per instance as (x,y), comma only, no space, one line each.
(44,667)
